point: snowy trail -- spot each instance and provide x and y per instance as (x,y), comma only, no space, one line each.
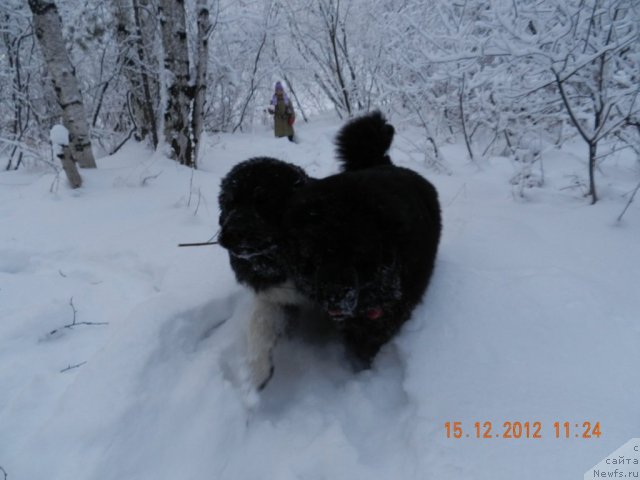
(532,315)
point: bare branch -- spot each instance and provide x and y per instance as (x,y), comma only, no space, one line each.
(71,367)
(633,194)
(201,244)
(75,323)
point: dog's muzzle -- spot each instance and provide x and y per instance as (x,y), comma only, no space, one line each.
(373,313)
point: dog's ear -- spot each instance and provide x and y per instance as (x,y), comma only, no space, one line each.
(224,200)
(301,178)
(389,132)
(301,181)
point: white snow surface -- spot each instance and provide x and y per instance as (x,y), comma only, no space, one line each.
(532,315)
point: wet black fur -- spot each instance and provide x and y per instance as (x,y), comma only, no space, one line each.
(365,240)
(358,242)
(363,142)
(253,197)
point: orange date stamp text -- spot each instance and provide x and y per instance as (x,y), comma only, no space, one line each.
(523,430)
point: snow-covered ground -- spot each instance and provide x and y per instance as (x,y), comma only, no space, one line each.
(533,315)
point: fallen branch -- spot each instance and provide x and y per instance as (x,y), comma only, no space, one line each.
(71,367)
(144,181)
(74,323)
(200,244)
(211,241)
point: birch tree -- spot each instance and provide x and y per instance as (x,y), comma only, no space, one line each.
(202,61)
(177,115)
(48,29)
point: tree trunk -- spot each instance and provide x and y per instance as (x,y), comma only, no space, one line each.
(337,66)
(593,151)
(467,138)
(131,70)
(48,27)
(177,118)
(60,146)
(202,57)
(144,35)
(69,167)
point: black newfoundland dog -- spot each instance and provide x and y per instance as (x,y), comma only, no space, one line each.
(359,245)
(253,198)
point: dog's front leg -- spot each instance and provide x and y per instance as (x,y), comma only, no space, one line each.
(264,330)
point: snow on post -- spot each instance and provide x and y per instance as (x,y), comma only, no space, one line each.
(59,136)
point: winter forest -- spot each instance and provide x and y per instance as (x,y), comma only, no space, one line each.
(506,77)
(124,356)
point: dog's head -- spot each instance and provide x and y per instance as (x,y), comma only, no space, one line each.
(253,197)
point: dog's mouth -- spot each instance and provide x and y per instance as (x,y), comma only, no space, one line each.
(372,313)
(245,253)
(338,315)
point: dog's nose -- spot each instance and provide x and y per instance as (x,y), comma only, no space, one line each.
(231,238)
(232,231)
(222,239)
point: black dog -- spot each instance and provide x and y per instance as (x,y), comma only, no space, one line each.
(253,198)
(364,242)
(360,245)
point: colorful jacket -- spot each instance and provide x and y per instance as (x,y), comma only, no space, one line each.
(282,110)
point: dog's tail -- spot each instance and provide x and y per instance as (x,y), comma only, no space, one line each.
(363,142)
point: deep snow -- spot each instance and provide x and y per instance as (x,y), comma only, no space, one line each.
(532,315)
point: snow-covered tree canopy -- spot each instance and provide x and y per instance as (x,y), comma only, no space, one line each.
(492,73)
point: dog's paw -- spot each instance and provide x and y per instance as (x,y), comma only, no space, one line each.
(260,369)
(237,372)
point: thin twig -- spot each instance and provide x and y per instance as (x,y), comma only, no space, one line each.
(191,187)
(629,202)
(144,181)
(75,323)
(201,244)
(195,213)
(71,367)
(211,241)
(75,312)
(4,472)
(55,183)
(462,189)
